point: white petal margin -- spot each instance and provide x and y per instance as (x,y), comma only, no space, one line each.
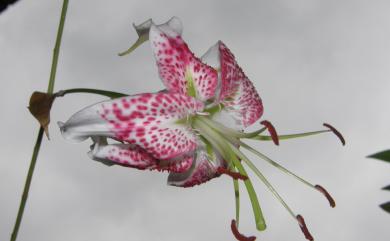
(212,58)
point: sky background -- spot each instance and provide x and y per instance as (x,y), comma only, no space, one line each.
(311,61)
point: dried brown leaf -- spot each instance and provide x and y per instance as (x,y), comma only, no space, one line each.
(40,106)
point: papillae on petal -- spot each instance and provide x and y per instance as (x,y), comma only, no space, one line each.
(155,122)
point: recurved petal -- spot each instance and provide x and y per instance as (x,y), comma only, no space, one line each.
(122,154)
(235,91)
(155,122)
(178,68)
(201,171)
(130,155)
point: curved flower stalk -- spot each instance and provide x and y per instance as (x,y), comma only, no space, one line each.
(193,129)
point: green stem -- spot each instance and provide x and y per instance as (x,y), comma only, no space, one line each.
(56,50)
(40,133)
(27,184)
(110,94)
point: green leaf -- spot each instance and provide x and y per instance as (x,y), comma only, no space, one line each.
(387,188)
(386,207)
(384,156)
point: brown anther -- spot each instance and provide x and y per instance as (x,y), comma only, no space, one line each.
(336,132)
(303,227)
(234,175)
(272,131)
(331,201)
(238,235)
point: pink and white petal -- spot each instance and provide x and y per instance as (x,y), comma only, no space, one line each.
(235,90)
(177,65)
(122,154)
(201,171)
(130,155)
(245,106)
(152,121)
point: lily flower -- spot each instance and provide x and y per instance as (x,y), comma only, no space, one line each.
(194,128)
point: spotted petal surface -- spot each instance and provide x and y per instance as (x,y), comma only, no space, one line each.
(131,155)
(201,171)
(123,154)
(179,69)
(235,91)
(154,122)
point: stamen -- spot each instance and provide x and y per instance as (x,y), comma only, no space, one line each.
(331,201)
(263,179)
(238,235)
(336,132)
(234,175)
(304,229)
(271,130)
(285,170)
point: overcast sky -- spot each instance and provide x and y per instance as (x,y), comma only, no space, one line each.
(312,61)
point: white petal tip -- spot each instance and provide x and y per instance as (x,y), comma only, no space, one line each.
(68,135)
(176,24)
